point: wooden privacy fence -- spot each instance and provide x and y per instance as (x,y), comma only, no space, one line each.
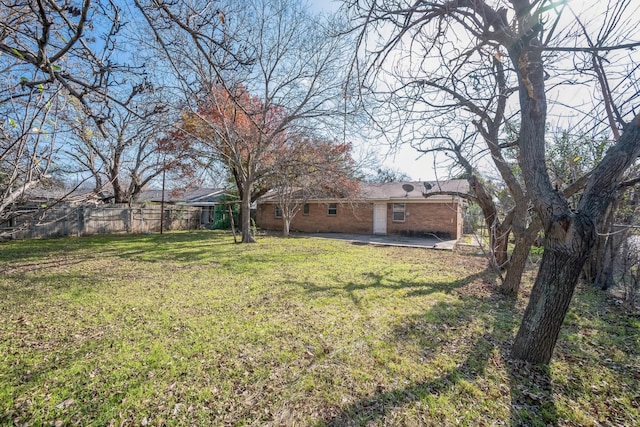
(103,219)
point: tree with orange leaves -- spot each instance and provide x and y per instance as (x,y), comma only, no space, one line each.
(240,131)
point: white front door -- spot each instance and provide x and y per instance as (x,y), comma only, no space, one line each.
(379,218)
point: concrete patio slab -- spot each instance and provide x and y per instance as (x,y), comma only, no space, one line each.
(389,240)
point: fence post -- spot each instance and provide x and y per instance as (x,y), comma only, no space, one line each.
(80,220)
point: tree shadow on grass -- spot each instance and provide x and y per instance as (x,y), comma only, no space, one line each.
(27,267)
(531,396)
(381,281)
(124,245)
(417,287)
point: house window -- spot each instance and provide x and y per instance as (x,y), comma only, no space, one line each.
(305,209)
(278,212)
(398,212)
(332,209)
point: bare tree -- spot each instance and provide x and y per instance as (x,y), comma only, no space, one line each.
(384,174)
(128,149)
(27,147)
(275,49)
(45,61)
(467,101)
(525,31)
(614,84)
(49,40)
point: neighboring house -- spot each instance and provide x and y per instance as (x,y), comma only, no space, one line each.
(389,208)
(36,200)
(204,198)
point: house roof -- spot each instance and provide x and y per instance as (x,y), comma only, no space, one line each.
(196,196)
(411,190)
(55,194)
(399,191)
(193,197)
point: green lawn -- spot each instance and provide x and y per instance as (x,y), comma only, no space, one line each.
(192,329)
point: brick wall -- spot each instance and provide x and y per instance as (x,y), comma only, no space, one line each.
(350,218)
(442,219)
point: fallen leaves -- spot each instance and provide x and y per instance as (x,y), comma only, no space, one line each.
(65,404)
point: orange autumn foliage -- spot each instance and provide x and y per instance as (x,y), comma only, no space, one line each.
(239,129)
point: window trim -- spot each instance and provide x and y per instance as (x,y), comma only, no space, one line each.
(277,212)
(395,209)
(332,207)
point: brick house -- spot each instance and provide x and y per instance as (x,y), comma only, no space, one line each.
(389,208)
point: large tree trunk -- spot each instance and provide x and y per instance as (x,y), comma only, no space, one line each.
(568,240)
(524,239)
(118,193)
(511,284)
(548,306)
(499,242)
(518,262)
(564,256)
(565,233)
